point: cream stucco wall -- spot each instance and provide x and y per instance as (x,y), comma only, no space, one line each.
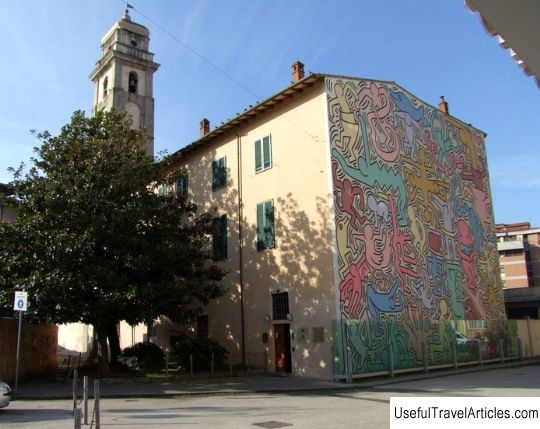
(301,262)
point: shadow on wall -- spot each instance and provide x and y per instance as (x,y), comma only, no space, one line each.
(288,252)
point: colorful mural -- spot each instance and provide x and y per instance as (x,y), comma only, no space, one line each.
(413,221)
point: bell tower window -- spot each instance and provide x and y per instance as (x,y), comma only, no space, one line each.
(132,82)
(105,86)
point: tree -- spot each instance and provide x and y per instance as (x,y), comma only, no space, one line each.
(94,242)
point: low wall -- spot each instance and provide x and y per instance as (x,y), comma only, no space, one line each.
(38,349)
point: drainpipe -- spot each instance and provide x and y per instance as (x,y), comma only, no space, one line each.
(240,244)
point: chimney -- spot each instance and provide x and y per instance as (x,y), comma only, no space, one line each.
(205,127)
(443,106)
(297,71)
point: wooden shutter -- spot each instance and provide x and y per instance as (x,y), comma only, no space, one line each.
(266,151)
(258,155)
(269,224)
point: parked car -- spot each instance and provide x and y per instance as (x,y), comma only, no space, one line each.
(5,394)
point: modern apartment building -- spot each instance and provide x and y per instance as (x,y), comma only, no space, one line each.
(519,257)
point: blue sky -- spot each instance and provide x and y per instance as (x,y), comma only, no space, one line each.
(432,48)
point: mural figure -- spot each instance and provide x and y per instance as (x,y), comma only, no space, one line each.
(384,302)
(412,204)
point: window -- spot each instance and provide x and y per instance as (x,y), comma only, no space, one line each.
(266,237)
(132,82)
(263,154)
(182,187)
(280,306)
(219,174)
(105,86)
(219,237)
(163,191)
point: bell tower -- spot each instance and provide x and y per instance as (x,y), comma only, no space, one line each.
(123,76)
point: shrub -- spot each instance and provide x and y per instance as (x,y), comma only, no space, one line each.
(201,348)
(143,357)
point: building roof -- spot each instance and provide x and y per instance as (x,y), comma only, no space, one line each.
(282,96)
(517,24)
(5,189)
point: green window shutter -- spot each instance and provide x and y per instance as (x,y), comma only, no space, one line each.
(223,237)
(266,152)
(258,154)
(214,175)
(219,237)
(219,173)
(260,227)
(182,187)
(223,172)
(270,237)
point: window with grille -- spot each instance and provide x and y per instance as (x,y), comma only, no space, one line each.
(280,306)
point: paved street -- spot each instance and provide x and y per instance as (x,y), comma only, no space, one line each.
(343,408)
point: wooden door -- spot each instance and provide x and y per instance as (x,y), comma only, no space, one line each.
(282,345)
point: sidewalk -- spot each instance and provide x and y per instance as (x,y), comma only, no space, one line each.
(210,386)
(257,383)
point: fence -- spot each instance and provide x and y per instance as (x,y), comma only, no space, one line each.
(38,349)
(366,348)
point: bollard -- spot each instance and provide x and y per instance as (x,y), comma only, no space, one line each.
(454,353)
(480,357)
(425,358)
(191,365)
(501,349)
(77,418)
(212,365)
(230,369)
(520,348)
(390,360)
(74,389)
(96,404)
(349,366)
(85,399)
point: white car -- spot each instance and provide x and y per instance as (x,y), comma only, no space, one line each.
(5,394)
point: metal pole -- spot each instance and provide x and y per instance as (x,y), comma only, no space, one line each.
(425,357)
(18,353)
(349,366)
(454,353)
(74,389)
(529,335)
(501,349)
(390,360)
(85,397)
(520,348)
(212,365)
(191,365)
(96,403)
(77,418)
(480,358)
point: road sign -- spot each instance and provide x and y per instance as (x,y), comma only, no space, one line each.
(21,301)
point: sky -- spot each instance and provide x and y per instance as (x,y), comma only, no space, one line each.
(244,50)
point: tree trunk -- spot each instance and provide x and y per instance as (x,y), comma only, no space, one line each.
(114,342)
(103,352)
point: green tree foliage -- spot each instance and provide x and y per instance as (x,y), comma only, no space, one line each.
(94,242)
